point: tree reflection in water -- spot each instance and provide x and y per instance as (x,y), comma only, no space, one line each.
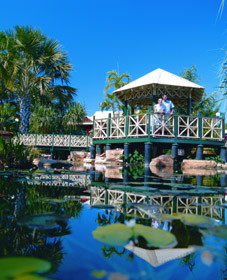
(20,200)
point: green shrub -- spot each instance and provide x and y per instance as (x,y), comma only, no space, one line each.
(14,155)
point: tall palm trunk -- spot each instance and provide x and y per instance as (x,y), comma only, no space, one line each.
(25,112)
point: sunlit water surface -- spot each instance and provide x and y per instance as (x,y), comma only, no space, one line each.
(53,216)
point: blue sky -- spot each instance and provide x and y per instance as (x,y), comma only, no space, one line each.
(133,36)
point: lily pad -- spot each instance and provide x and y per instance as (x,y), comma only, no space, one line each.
(156,237)
(42,221)
(119,235)
(115,234)
(21,268)
(197,220)
(189,219)
(219,231)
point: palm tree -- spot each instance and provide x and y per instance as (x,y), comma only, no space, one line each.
(116,81)
(74,117)
(41,68)
(44,120)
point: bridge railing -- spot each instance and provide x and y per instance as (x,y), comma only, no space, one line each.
(143,125)
(55,140)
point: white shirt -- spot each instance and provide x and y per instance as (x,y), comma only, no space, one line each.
(159,108)
(168,106)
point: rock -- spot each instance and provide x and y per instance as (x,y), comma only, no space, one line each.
(200,172)
(162,161)
(51,163)
(114,173)
(190,163)
(164,172)
(114,155)
(77,155)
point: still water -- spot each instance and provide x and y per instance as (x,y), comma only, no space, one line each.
(58,217)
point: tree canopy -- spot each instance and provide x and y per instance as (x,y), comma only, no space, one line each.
(33,66)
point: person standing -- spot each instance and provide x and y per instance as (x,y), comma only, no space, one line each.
(159,110)
(169,108)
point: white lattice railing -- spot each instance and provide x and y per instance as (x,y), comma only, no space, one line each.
(100,128)
(208,206)
(188,127)
(133,126)
(55,140)
(138,125)
(212,128)
(162,125)
(117,127)
(66,180)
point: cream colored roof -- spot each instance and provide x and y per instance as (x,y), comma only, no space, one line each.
(159,256)
(160,77)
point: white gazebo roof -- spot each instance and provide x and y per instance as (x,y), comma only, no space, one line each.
(159,256)
(160,77)
(156,83)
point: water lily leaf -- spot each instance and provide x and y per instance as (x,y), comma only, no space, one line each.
(18,267)
(156,237)
(197,220)
(115,234)
(98,273)
(168,217)
(42,221)
(219,231)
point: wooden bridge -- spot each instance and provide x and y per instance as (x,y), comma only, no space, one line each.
(53,141)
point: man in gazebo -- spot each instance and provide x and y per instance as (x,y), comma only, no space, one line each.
(169,107)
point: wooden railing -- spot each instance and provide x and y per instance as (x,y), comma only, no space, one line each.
(199,205)
(142,125)
(55,140)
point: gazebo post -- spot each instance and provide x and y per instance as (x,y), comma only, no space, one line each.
(190,102)
(126,108)
(154,97)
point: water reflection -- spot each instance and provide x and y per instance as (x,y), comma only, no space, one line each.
(102,196)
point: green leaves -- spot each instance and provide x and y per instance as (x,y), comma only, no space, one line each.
(23,268)
(120,235)
(189,219)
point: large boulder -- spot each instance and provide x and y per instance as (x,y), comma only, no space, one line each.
(114,155)
(51,163)
(77,155)
(162,161)
(191,163)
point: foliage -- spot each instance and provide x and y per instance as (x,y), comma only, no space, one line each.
(33,65)
(13,155)
(217,159)
(44,120)
(223,85)
(190,74)
(208,106)
(73,119)
(136,158)
(8,117)
(116,81)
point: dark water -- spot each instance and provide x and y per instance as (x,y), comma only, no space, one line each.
(52,217)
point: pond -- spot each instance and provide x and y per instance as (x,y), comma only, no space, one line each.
(110,223)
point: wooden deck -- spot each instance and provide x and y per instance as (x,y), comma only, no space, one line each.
(151,127)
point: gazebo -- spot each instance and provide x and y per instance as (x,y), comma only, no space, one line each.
(155,131)
(146,90)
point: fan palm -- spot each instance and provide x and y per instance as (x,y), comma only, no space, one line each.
(41,68)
